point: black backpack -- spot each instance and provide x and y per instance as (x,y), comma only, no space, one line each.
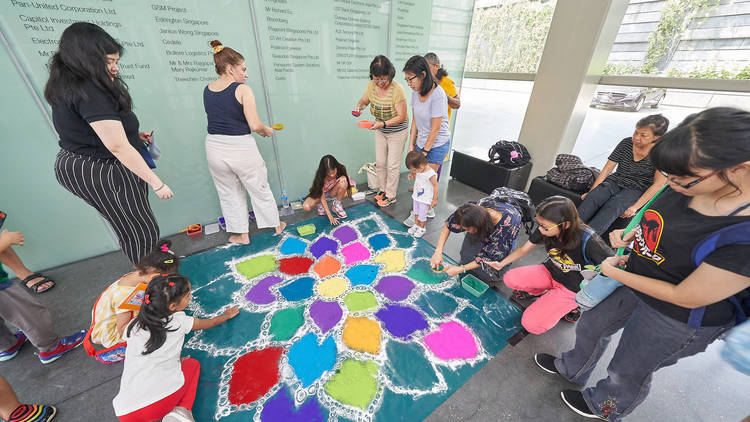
(570,173)
(519,200)
(509,154)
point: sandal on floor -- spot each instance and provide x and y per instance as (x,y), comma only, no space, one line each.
(37,287)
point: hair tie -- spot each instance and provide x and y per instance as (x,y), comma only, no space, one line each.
(146,299)
(169,261)
(171,284)
(164,248)
(218,48)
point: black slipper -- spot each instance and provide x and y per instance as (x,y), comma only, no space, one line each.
(37,287)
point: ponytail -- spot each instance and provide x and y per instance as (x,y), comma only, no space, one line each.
(154,315)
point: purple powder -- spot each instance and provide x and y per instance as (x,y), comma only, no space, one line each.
(395,287)
(281,407)
(325,314)
(260,293)
(323,245)
(401,321)
(345,234)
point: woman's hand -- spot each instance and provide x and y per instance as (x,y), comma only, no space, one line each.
(498,265)
(333,220)
(377,124)
(163,192)
(436,260)
(617,261)
(584,196)
(452,270)
(629,212)
(146,137)
(617,241)
(265,132)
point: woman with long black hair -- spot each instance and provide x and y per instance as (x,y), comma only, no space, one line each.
(671,305)
(98,160)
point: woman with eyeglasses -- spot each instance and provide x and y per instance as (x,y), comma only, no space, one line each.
(387,101)
(570,246)
(668,308)
(633,183)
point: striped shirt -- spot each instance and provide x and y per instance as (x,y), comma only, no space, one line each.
(630,174)
(384,108)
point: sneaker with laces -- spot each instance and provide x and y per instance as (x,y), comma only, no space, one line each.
(13,351)
(418,231)
(65,345)
(431,213)
(380,195)
(546,362)
(179,414)
(409,222)
(338,208)
(33,413)
(321,210)
(574,400)
(385,201)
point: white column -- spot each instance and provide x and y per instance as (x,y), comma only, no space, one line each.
(579,40)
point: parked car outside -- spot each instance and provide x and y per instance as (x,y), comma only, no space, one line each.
(628,97)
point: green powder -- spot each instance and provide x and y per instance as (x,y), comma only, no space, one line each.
(354,383)
(256,266)
(285,323)
(359,301)
(423,274)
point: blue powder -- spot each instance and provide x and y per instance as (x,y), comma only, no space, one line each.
(362,274)
(379,241)
(281,407)
(311,360)
(293,246)
(298,290)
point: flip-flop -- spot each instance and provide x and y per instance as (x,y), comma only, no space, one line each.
(36,288)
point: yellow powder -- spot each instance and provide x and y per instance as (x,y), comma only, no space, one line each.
(333,287)
(362,334)
(394,260)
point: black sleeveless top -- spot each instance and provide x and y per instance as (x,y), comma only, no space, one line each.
(224,112)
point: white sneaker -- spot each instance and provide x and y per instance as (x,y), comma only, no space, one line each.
(418,231)
(179,414)
(409,222)
(411,229)
(431,213)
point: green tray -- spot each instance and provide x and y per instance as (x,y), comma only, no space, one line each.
(306,230)
(474,285)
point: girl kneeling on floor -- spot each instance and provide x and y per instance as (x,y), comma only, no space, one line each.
(109,316)
(332,179)
(156,382)
(570,246)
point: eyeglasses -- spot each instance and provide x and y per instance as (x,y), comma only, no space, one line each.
(688,185)
(408,80)
(550,227)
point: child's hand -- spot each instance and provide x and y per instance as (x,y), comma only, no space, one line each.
(433,204)
(411,175)
(436,261)
(231,312)
(617,261)
(452,270)
(333,220)
(617,241)
(12,238)
(497,265)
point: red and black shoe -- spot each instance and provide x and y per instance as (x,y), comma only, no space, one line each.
(572,316)
(13,351)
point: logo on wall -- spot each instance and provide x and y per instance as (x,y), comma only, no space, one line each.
(648,236)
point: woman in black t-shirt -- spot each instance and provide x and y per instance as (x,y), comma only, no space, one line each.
(635,182)
(98,160)
(706,161)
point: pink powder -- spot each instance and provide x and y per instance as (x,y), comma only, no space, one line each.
(451,341)
(355,252)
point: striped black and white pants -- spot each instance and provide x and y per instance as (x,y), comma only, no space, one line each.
(117,193)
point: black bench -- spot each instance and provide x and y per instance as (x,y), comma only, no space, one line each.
(485,176)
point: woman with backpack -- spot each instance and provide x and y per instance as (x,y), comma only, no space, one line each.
(673,303)
(635,182)
(491,225)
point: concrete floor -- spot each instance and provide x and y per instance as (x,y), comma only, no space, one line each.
(508,388)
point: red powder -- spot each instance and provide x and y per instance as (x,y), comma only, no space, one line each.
(254,374)
(295,265)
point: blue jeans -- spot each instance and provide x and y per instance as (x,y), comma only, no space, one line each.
(605,203)
(595,291)
(436,154)
(649,341)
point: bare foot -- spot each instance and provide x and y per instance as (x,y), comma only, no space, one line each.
(280,228)
(240,239)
